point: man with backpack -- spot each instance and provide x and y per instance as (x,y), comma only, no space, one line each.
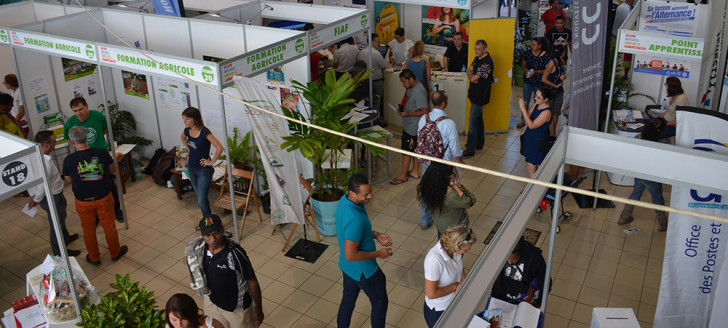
(437,136)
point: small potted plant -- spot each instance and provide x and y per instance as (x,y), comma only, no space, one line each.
(127,306)
(123,125)
(328,104)
(241,150)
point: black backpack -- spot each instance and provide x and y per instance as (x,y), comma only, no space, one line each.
(153,162)
(161,172)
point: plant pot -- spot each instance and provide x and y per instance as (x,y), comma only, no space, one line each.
(518,75)
(325,214)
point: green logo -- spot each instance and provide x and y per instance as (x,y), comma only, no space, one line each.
(278,215)
(363,20)
(90,53)
(208,74)
(3,36)
(300,46)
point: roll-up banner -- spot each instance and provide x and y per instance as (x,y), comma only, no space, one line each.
(168,7)
(709,86)
(695,248)
(280,165)
(587,66)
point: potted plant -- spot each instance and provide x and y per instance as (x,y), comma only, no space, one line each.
(127,306)
(241,150)
(623,91)
(123,125)
(328,104)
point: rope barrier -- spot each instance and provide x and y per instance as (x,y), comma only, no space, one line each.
(439,160)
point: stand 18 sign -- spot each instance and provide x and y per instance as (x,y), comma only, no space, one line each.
(15,174)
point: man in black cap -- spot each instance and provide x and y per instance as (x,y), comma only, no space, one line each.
(232,291)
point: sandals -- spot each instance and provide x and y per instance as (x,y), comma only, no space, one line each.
(520,125)
(412,176)
(397,181)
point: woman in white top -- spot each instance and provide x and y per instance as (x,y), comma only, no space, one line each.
(444,270)
(18,111)
(182,312)
(677,98)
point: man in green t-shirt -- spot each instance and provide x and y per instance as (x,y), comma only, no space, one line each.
(95,124)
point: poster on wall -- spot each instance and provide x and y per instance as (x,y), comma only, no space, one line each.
(173,94)
(672,18)
(386,20)
(41,103)
(73,69)
(438,26)
(135,84)
(662,66)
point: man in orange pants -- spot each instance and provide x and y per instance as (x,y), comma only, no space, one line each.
(89,170)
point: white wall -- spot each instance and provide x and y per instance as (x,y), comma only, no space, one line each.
(126,25)
(412,20)
(35,66)
(168,35)
(46,11)
(489,9)
(17,14)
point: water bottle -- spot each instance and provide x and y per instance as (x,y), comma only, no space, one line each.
(630,116)
(530,73)
(464,69)
(662,106)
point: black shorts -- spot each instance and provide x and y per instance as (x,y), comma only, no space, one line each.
(409,142)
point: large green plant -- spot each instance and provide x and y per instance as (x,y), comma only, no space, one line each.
(127,306)
(329,103)
(241,150)
(623,91)
(123,125)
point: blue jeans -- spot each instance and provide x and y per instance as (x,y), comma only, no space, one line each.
(529,91)
(425,214)
(655,189)
(431,315)
(201,180)
(61,205)
(375,287)
(476,132)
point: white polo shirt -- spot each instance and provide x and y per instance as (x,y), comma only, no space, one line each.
(445,270)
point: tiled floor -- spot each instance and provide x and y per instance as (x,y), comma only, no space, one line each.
(595,263)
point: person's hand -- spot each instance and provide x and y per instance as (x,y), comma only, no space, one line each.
(560,85)
(562,77)
(258,315)
(384,239)
(31,203)
(205,162)
(384,253)
(457,287)
(470,70)
(403,114)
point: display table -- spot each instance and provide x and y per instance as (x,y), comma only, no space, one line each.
(126,164)
(373,161)
(177,176)
(455,84)
(619,179)
(32,284)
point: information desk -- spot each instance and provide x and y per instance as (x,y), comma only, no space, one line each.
(619,179)
(455,85)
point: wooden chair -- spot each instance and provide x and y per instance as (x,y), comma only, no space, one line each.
(306,209)
(243,191)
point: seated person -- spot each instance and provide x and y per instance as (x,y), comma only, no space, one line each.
(522,278)
(362,90)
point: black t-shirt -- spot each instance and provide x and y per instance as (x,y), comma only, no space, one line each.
(558,38)
(479,92)
(89,170)
(456,60)
(228,273)
(514,280)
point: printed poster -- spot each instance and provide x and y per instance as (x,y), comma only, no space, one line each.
(173,94)
(41,103)
(672,18)
(387,16)
(662,66)
(438,26)
(73,69)
(135,84)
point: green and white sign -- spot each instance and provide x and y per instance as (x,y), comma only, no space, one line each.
(338,31)
(261,60)
(4,36)
(638,42)
(197,70)
(52,44)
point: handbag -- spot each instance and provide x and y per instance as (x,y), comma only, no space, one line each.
(523,143)
(545,145)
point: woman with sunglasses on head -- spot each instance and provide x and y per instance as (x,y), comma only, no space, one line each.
(443,195)
(538,120)
(444,272)
(182,312)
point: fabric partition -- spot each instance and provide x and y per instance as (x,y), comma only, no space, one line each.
(500,46)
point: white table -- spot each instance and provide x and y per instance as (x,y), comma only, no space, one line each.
(619,179)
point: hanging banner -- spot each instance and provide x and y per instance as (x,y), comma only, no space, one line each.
(328,34)
(587,66)
(671,18)
(167,7)
(56,45)
(387,16)
(262,60)
(638,42)
(280,165)
(200,71)
(709,86)
(694,248)
(438,26)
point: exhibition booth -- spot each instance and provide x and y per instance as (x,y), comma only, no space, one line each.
(476,20)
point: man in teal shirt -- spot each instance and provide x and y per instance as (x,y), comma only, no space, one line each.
(94,122)
(358,254)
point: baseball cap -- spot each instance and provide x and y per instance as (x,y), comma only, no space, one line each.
(209,224)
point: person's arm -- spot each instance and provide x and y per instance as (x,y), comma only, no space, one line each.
(524,65)
(457,26)
(217,324)
(184,141)
(444,63)
(427,71)
(437,27)
(471,74)
(218,151)
(550,67)
(21,113)
(389,56)
(352,252)
(258,316)
(67,179)
(542,119)
(383,238)
(433,292)
(461,199)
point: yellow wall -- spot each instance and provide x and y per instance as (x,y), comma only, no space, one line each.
(498,33)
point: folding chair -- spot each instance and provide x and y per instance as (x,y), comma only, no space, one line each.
(243,191)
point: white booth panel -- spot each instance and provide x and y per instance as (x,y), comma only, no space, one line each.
(170,104)
(211,108)
(35,67)
(168,35)
(89,86)
(412,21)
(309,13)
(127,25)
(486,9)
(46,10)
(142,108)
(17,14)
(80,26)
(73,9)
(211,6)
(258,37)
(216,39)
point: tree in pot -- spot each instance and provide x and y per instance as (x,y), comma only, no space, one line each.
(329,103)
(127,306)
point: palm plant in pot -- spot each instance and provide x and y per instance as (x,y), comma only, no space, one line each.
(328,104)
